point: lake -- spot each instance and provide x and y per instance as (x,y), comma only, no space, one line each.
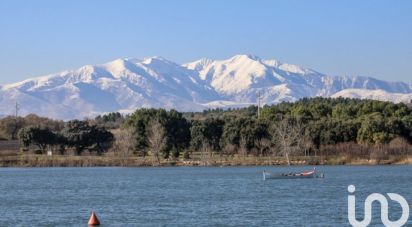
(193,196)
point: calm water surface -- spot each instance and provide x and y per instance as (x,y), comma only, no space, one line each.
(185,196)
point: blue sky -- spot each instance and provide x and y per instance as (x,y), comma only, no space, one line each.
(371,38)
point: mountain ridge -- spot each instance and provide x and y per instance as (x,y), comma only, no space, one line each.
(126,84)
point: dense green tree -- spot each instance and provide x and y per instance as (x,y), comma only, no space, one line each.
(78,135)
(231,132)
(138,122)
(407,123)
(373,130)
(81,135)
(41,137)
(178,133)
(244,132)
(101,139)
(110,120)
(177,129)
(207,131)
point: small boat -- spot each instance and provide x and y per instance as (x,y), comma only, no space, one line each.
(308,174)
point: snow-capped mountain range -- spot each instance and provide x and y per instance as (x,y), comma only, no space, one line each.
(127,84)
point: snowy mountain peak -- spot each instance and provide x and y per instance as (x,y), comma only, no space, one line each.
(116,65)
(126,84)
(199,64)
(272,63)
(245,57)
(157,60)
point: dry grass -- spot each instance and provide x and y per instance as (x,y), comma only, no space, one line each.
(19,159)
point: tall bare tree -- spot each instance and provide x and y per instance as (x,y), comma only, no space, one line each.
(156,139)
(288,135)
(206,154)
(243,151)
(123,144)
(263,145)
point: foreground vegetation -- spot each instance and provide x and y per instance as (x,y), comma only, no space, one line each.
(14,159)
(310,131)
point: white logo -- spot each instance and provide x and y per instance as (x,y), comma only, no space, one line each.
(384,209)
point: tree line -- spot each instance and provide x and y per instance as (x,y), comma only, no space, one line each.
(302,127)
(283,129)
(79,135)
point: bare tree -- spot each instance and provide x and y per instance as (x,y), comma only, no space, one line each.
(289,136)
(378,153)
(229,149)
(156,139)
(399,146)
(306,145)
(243,150)
(123,144)
(263,146)
(206,154)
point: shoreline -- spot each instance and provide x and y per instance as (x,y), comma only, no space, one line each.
(29,161)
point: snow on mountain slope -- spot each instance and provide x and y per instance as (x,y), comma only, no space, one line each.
(127,84)
(241,77)
(234,75)
(374,94)
(120,84)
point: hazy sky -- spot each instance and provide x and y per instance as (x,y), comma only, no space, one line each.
(371,38)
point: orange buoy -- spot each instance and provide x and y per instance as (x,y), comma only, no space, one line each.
(93,220)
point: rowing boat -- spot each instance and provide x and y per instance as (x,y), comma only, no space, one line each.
(303,175)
